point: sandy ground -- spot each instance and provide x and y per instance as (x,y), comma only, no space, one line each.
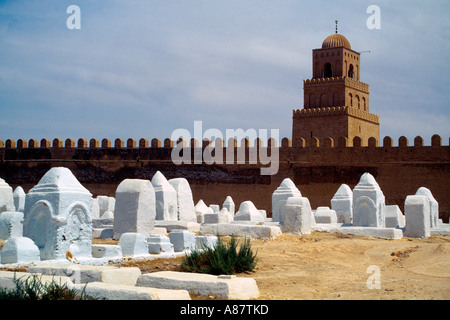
(335,266)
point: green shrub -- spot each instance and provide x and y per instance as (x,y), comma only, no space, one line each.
(31,288)
(223,258)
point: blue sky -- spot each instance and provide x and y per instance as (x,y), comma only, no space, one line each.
(145,68)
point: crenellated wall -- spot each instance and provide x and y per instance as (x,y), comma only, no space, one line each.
(318,168)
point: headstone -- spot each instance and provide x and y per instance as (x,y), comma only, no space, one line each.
(200,210)
(203,242)
(106,203)
(215,207)
(368,203)
(434,206)
(297,216)
(95,209)
(229,204)
(11,225)
(342,203)
(107,215)
(185,201)
(394,217)
(6,197)
(58,216)
(182,240)
(286,190)
(325,215)
(19,250)
(248,212)
(19,199)
(166,198)
(223,216)
(158,244)
(135,208)
(133,244)
(417,216)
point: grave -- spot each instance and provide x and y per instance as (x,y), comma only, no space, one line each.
(182,240)
(166,198)
(185,201)
(58,216)
(342,204)
(248,212)
(298,218)
(325,215)
(417,216)
(286,190)
(133,244)
(19,199)
(6,197)
(368,203)
(201,209)
(134,208)
(394,217)
(229,205)
(434,206)
(159,243)
(19,250)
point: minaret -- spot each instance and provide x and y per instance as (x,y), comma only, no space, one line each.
(336,102)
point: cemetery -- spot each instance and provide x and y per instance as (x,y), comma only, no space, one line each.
(59,229)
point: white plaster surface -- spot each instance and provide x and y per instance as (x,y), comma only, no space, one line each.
(342,203)
(286,190)
(248,212)
(417,216)
(11,225)
(19,250)
(19,199)
(298,217)
(166,198)
(185,201)
(368,203)
(6,197)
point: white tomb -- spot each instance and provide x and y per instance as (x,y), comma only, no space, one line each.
(182,240)
(105,204)
(158,243)
(342,203)
(166,198)
(6,197)
(19,199)
(133,244)
(434,206)
(185,201)
(248,212)
(11,225)
(201,209)
(298,218)
(19,250)
(417,216)
(58,216)
(229,204)
(204,242)
(135,208)
(394,217)
(368,203)
(325,215)
(286,190)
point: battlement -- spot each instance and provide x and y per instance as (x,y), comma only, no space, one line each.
(351,82)
(286,143)
(314,112)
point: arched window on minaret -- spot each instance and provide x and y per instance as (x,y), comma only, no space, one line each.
(358,103)
(364,104)
(351,73)
(327,70)
(351,99)
(337,69)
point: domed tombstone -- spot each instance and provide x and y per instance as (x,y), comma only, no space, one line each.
(368,203)
(434,205)
(248,212)
(19,199)
(105,203)
(6,197)
(201,209)
(166,198)
(19,250)
(185,201)
(286,190)
(229,204)
(135,208)
(325,215)
(342,203)
(58,216)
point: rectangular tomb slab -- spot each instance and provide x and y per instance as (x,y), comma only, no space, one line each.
(227,287)
(262,232)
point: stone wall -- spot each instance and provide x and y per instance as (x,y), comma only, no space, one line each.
(317,169)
